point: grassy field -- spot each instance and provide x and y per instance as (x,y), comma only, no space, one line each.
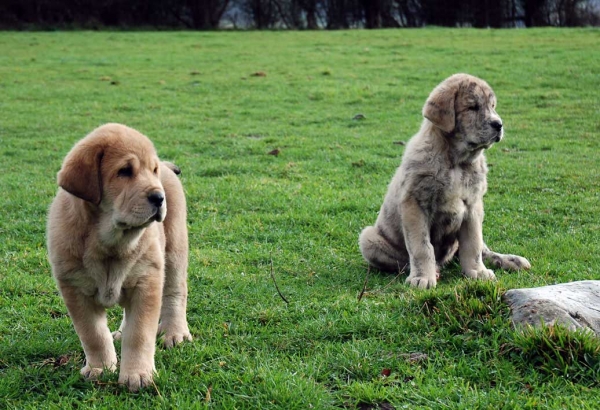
(216,104)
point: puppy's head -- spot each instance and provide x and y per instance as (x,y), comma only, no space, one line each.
(116,168)
(465,106)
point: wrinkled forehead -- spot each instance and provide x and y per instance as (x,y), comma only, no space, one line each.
(136,155)
(476,90)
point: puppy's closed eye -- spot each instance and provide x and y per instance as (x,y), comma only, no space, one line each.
(125,172)
(474,107)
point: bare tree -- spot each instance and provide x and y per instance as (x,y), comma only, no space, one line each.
(534,12)
(290,13)
(569,12)
(410,13)
(206,14)
(337,13)
(262,13)
(442,12)
(379,13)
(309,7)
(297,14)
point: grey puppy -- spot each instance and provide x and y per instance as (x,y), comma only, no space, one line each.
(434,204)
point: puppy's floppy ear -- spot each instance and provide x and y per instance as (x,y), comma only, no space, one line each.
(80,173)
(439,108)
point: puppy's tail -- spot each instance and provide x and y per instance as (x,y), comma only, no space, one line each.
(172,167)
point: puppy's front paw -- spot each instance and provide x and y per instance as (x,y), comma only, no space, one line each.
(174,334)
(481,274)
(117,335)
(93,373)
(136,379)
(422,282)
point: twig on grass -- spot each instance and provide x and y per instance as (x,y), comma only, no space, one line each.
(156,388)
(400,272)
(275,282)
(365,284)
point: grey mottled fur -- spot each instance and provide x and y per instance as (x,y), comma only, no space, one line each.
(434,204)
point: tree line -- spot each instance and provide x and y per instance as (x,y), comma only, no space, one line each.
(295,14)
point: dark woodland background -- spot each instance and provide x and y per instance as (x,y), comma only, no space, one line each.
(294,14)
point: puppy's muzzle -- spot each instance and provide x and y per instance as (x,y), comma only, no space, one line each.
(496,126)
(157,199)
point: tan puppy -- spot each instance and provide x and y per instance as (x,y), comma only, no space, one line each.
(110,240)
(434,204)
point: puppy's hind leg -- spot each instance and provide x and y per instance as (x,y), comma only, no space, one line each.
(173,318)
(118,333)
(502,261)
(379,252)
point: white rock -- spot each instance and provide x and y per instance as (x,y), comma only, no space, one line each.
(575,305)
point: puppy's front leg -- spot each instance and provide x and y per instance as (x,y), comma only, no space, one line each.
(89,320)
(416,236)
(470,244)
(142,305)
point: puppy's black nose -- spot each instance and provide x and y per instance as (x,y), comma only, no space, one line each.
(156,199)
(497,125)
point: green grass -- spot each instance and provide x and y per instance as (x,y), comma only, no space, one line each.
(194,94)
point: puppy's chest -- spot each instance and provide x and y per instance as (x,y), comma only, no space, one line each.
(106,279)
(462,188)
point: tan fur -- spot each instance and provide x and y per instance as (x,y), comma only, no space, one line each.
(434,204)
(110,240)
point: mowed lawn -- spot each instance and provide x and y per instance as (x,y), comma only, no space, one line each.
(217,104)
